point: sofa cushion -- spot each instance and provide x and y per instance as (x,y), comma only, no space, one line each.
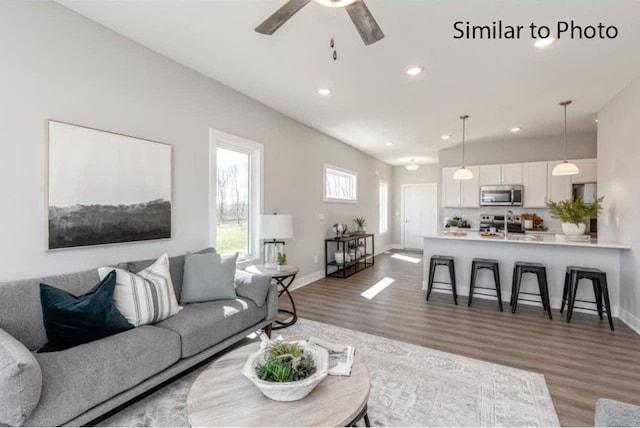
(79,378)
(201,325)
(176,266)
(252,286)
(72,320)
(20,381)
(146,297)
(208,277)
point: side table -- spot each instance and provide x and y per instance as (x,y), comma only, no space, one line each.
(283,278)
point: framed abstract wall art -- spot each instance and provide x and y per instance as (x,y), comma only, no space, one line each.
(106,188)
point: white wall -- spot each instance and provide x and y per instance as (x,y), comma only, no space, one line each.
(428,173)
(618,179)
(579,146)
(59,65)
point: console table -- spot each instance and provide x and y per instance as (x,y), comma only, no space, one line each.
(349,254)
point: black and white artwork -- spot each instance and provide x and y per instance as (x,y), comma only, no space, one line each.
(106,188)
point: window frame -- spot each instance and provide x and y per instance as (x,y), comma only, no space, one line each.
(345,173)
(383,211)
(219,139)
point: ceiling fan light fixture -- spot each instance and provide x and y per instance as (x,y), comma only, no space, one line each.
(463,173)
(335,3)
(566,167)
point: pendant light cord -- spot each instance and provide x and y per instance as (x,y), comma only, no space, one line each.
(565,132)
(464,120)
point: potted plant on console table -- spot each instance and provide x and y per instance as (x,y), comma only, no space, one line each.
(574,213)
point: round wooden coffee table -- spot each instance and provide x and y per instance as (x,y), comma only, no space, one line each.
(222,396)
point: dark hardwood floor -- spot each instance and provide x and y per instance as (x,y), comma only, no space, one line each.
(582,361)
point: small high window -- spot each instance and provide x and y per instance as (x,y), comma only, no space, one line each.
(340,185)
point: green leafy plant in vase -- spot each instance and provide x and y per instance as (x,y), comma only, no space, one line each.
(573,213)
(281,260)
(454,225)
(286,362)
(360,222)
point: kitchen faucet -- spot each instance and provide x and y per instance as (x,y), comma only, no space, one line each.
(508,216)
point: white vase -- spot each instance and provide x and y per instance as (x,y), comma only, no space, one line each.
(453,229)
(573,229)
(339,258)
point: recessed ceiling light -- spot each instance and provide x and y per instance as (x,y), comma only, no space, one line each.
(388,143)
(541,43)
(595,120)
(324,91)
(414,71)
(446,137)
(515,129)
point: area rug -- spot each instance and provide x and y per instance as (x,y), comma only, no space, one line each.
(410,386)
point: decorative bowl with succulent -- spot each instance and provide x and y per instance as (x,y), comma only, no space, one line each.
(287,371)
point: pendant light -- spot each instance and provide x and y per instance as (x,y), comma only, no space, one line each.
(566,167)
(463,173)
(412,166)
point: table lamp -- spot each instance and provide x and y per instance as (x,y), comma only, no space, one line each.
(274,229)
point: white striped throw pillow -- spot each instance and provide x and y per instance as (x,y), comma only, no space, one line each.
(146,297)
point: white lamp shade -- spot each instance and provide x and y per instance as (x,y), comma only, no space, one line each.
(462,174)
(276,226)
(335,3)
(565,168)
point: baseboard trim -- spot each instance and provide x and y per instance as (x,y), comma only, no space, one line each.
(629,319)
(307,279)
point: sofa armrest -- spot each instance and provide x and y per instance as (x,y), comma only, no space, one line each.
(20,381)
(611,413)
(252,286)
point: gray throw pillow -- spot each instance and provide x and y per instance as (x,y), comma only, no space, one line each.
(252,286)
(208,277)
(20,381)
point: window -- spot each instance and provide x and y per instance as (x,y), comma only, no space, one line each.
(340,185)
(235,199)
(383,200)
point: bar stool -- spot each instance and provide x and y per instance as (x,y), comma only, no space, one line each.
(598,279)
(491,265)
(520,268)
(442,261)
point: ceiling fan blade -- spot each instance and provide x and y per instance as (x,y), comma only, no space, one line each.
(275,21)
(365,23)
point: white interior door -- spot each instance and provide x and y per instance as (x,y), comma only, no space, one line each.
(419,213)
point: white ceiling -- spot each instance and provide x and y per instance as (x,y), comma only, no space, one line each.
(499,83)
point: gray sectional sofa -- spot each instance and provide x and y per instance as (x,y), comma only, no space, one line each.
(83,383)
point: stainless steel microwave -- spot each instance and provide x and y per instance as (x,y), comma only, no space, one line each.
(501,195)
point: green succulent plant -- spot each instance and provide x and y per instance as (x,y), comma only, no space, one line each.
(286,362)
(281,258)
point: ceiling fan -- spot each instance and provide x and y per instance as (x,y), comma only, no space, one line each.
(358,12)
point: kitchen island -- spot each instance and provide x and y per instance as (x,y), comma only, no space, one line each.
(556,255)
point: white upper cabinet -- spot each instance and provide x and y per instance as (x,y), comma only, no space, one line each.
(490,174)
(559,186)
(460,193)
(534,179)
(451,196)
(588,171)
(471,189)
(512,173)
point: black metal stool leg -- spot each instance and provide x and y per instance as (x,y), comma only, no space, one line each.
(517,272)
(597,292)
(472,283)
(546,302)
(432,268)
(452,274)
(605,293)
(565,291)
(496,278)
(573,288)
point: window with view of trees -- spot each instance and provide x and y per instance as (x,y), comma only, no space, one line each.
(235,198)
(233,168)
(339,185)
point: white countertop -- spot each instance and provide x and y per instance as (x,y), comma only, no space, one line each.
(528,239)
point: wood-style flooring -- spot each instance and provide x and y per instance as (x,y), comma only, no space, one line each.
(582,361)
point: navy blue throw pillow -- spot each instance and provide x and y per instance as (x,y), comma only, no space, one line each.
(73,320)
